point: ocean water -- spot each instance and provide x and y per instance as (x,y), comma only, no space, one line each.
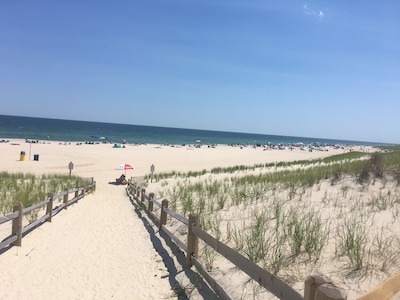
(82,131)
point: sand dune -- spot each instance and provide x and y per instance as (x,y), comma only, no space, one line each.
(100,248)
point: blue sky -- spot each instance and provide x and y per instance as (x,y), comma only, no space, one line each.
(325,69)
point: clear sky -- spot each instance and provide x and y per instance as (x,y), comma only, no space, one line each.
(324,69)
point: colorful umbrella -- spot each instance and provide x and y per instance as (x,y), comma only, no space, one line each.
(124,167)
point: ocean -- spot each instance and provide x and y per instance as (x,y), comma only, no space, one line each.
(83,131)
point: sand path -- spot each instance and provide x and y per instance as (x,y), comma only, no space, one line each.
(109,243)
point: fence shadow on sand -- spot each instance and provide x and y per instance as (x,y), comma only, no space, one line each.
(173,271)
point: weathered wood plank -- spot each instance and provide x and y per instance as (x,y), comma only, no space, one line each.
(217,288)
(312,283)
(385,290)
(37,205)
(156,202)
(76,198)
(192,239)
(177,241)
(57,209)
(329,292)
(177,216)
(269,281)
(91,186)
(59,196)
(163,215)
(8,217)
(49,209)
(65,200)
(73,200)
(35,223)
(150,205)
(16,228)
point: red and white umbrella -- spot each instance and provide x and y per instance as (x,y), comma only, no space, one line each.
(124,167)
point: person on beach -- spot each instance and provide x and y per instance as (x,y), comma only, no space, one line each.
(121,179)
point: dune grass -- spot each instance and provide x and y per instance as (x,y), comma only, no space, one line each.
(30,189)
(340,158)
(279,217)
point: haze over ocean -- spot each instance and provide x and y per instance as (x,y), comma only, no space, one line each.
(81,131)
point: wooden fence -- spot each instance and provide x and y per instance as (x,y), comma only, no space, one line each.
(316,287)
(18,230)
(385,290)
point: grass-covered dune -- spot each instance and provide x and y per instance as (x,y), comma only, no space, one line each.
(30,189)
(339,215)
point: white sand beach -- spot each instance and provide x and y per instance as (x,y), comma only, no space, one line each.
(100,248)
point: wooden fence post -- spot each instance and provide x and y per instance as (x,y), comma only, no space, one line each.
(150,205)
(321,287)
(312,283)
(76,193)
(49,209)
(192,240)
(17,224)
(163,216)
(133,192)
(82,193)
(65,200)
(137,193)
(329,292)
(142,195)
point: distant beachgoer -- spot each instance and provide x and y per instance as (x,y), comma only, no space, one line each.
(121,179)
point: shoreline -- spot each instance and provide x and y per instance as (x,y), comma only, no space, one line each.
(90,159)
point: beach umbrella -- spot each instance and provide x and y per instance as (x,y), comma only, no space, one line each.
(124,167)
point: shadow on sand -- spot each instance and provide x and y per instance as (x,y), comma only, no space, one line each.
(203,289)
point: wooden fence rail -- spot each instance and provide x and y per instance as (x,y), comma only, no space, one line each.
(17,230)
(385,290)
(316,287)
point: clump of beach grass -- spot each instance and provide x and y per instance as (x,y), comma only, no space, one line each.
(30,189)
(280,217)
